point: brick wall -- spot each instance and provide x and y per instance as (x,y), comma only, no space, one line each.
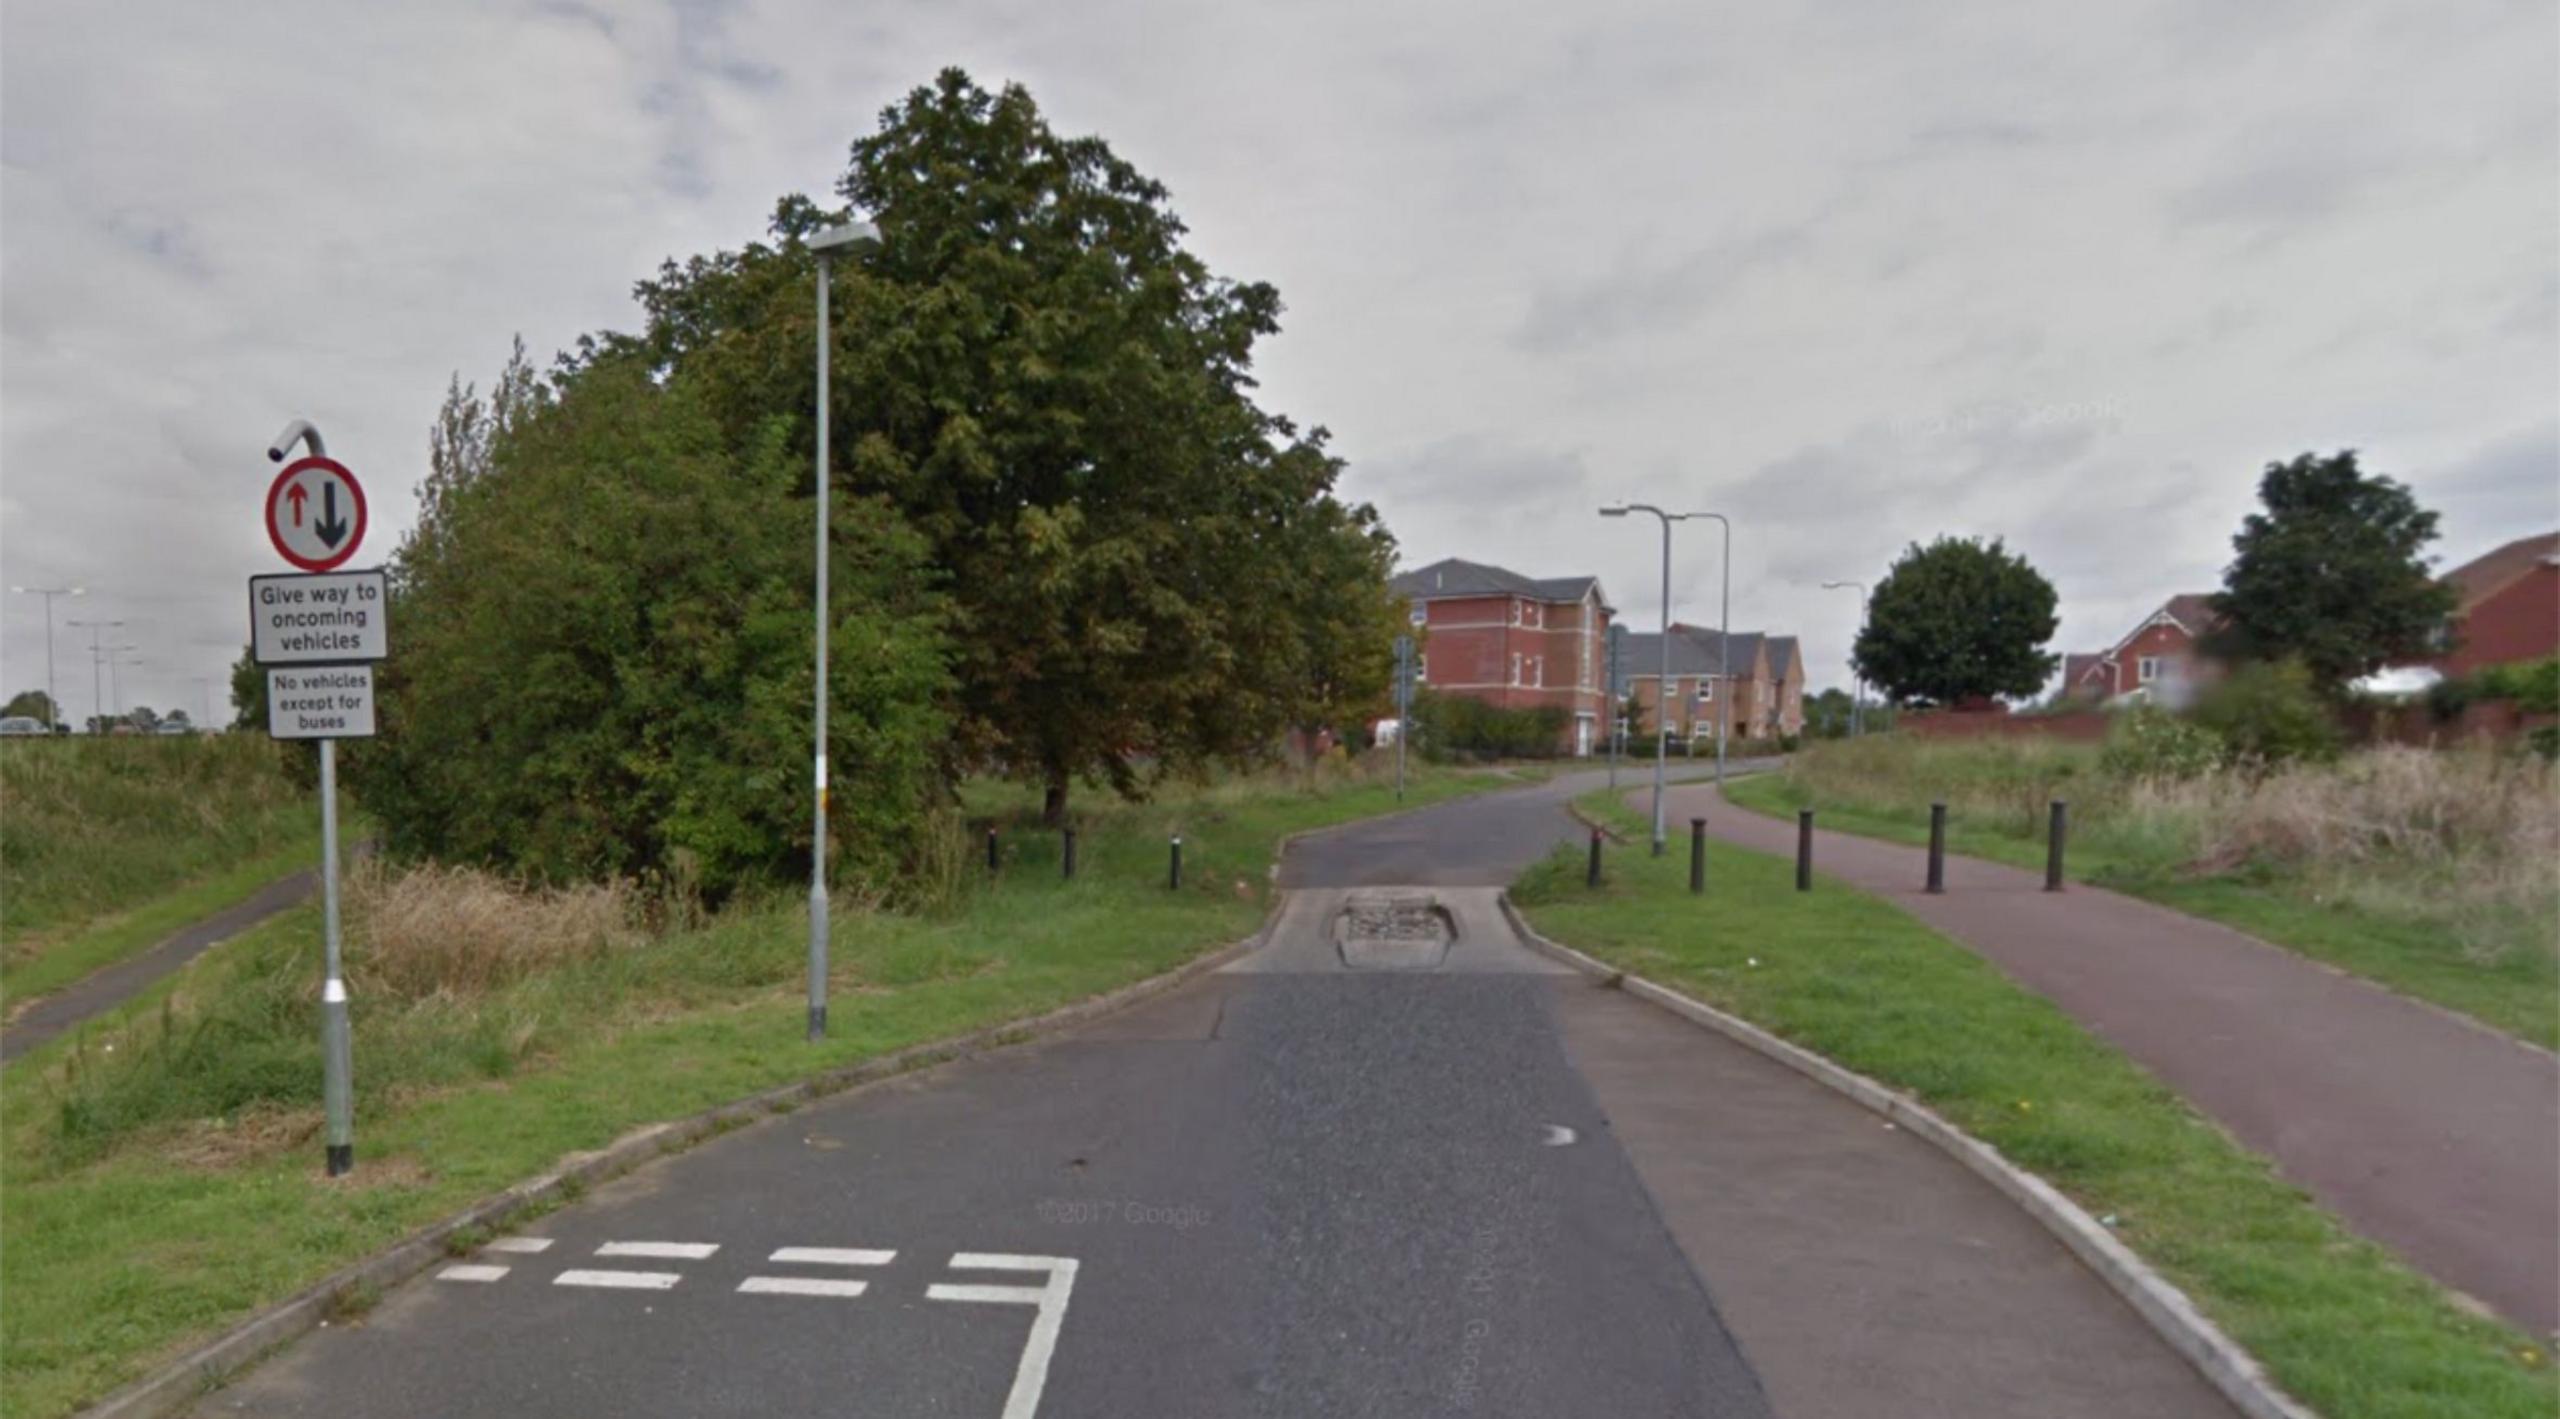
(2519,621)
(1519,654)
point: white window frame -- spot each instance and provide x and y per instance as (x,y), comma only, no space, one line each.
(2146,669)
(1706,689)
(1537,672)
(1515,669)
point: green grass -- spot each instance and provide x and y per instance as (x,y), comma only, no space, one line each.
(2336,1321)
(111,843)
(159,1180)
(2516,990)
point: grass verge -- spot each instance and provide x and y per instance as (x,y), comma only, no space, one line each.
(2514,986)
(160,1176)
(2335,1320)
(114,842)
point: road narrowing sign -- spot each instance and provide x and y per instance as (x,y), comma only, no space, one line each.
(330,619)
(324,702)
(315,514)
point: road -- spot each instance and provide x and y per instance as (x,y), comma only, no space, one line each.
(1293,1188)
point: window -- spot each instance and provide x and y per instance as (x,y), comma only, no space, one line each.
(1706,690)
(2147,669)
(1515,667)
(1420,614)
(1532,615)
(1537,672)
(1422,667)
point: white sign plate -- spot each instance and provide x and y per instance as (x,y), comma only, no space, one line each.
(329,619)
(328,702)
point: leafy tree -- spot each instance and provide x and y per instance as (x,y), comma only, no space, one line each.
(1057,396)
(143,718)
(248,693)
(178,719)
(1826,714)
(1337,619)
(604,653)
(1958,620)
(2331,574)
(30,704)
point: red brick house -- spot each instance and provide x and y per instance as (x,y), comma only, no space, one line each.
(1765,680)
(1513,641)
(2509,609)
(2157,660)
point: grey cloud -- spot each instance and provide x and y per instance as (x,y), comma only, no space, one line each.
(1643,297)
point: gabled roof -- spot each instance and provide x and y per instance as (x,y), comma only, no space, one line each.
(2483,576)
(2192,610)
(2078,666)
(1451,576)
(1782,656)
(1693,652)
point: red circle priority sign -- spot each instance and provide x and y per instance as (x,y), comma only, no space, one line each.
(315,513)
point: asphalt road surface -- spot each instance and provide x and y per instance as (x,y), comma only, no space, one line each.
(1473,1186)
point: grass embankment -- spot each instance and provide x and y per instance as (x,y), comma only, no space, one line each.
(160,1178)
(2436,873)
(2335,1320)
(112,843)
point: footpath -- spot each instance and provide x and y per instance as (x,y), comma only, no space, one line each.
(2434,1135)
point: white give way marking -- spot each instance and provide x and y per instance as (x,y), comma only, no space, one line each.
(1032,1374)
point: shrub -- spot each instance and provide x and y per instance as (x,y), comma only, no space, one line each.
(2268,714)
(2151,743)
(1453,727)
(2534,685)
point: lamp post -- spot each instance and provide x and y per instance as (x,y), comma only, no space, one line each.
(115,686)
(851,237)
(1724,653)
(1662,685)
(52,697)
(1857,682)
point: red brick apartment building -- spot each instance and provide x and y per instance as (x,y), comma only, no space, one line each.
(1762,674)
(2509,609)
(2156,660)
(1491,634)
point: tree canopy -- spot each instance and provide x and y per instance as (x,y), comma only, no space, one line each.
(2331,573)
(1958,620)
(31,704)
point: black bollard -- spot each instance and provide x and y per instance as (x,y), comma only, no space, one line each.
(1068,860)
(1173,877)
(1804,850)
(1697,854)
(1937,848)
(1591,874)
(2053,847)
(991,849)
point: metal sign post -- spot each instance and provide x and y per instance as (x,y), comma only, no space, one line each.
(1404,706)
(318,635)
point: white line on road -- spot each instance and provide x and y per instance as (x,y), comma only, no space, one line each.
(619,1280)
(834,1256)
(801,1286)
(671,1251)
(1032,1374)
(471,1272)
(522,1244)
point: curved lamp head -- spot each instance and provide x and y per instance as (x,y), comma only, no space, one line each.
(847,239)
(299,431)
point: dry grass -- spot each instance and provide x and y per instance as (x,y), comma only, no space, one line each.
(462,933)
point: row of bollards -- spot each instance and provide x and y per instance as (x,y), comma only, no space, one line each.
(1067,857)
(2056,830)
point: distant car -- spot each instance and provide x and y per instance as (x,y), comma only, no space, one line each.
(18,724)
(168,728)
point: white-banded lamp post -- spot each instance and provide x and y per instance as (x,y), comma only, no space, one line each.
(848,239)
(1662,685)
(1857,682)
(52,696)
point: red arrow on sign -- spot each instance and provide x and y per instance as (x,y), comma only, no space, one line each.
(297,493)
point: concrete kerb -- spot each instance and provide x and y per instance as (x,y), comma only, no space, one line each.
(2168,1311)
(205,1369)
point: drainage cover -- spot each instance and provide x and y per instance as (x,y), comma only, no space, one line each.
(1398,931)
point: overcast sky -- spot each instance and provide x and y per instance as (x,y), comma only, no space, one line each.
(1853,273)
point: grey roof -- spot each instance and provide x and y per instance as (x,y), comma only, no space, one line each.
(1782,656)
(1693,652)
(1451,576)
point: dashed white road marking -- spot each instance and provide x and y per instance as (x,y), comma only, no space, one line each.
(519,1244)
(1558,1135)
(469,1271)
(801,1286)
(1032,1374)
(834,1256)
(670,1251)
(619,1280)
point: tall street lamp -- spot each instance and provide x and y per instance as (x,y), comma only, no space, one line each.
(850,238)
(1662,685)
(52,697)
(1724,647)
(1858,682)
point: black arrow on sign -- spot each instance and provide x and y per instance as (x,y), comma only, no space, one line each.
(329,527)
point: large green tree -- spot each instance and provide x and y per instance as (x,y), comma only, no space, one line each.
(2332,573)
(1046,385)
(1958,620)
(31,704)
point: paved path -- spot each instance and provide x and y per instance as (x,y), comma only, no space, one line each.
(105,989)
(2436,1136)
(1289,1189)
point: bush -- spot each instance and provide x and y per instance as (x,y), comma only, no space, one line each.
(2268,714)
(1453,727)
(2534,685)
(2151,743)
